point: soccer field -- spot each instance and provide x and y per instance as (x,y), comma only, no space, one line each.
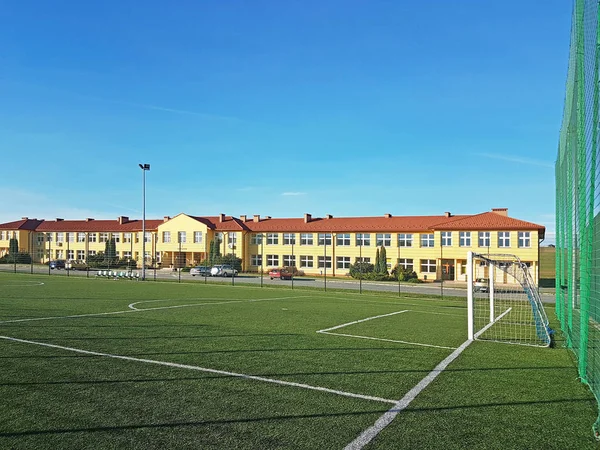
(97,363)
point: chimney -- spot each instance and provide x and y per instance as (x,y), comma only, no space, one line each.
(256,218)
(307,218)
(387,215)
(221,218)
(166,219)
(501,211)
(243,218)
(122,219)
(267,217)
(329,216)
(88,219)
(24,218)
(448,214)
(58,219)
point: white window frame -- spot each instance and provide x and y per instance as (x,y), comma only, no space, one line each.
(197,237)
(256,260)
(524,239)
(289,239)
(464,238)
(406,263)
(363,239)
(166,237)
(342,262)
(256,239)
(427,240)
(306,239)
(289,260)
(323,261)
(383,240)
(306,261)
(428,265)
(272,238)
(273,260)
(342,240)
(503,239)
(324,239)
(484,239)
(446,237)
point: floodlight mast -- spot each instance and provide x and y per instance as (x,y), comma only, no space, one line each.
(144,168)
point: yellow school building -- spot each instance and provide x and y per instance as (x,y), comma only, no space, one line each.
(435,247)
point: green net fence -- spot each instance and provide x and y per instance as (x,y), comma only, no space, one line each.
(577,202)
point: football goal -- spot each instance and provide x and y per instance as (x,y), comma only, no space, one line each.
(503,303)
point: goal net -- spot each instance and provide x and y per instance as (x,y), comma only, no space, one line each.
(504,304)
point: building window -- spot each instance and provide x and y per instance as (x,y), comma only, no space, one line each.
(324,262)
(197,237)
(272,238)
(70,237)
(324,239)
(504,239)
(343,262)
(342,240)
(289,238)
(446,238)
(405,240)
(92,253)
(428,265)
(157,257)
(127,254)
(60,237)
(383,239)
(405,263)
(166,237)
(103,237)
(181,237)
(363,240)
(92,237)
(427,240)
(40,239)
(256,239)
(70,255)
(306,239)
(484,239)
(524,239)
(464,239)
(116,237)
(80,237)
(256,260)
(364,259)
(81,255)
(272,260)
(306,261)
(148,236)
(289,260)
(127,237)
(231,239)
(59,254)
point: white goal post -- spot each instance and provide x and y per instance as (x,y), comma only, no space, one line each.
(503,303)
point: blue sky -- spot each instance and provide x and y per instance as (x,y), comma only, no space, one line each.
(281,107)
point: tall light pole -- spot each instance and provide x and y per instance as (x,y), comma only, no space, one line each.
(144,168)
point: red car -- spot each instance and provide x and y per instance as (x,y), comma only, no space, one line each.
(280,273)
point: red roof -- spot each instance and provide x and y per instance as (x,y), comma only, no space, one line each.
(23,224)
(97,225)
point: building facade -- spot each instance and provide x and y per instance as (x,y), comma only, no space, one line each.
(435,247)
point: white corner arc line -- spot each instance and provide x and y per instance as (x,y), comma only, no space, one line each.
(361,320)
(203,369)
(370,433)
(387,340)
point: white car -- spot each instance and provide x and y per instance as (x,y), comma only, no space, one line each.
(223,270)
(481,285)
(200,270)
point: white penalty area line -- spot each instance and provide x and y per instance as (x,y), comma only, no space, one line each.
(328,331)
(132,305)
(204,369)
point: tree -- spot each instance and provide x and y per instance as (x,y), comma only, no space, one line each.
(377,262)
(110,250)
(13,246)
(383,261)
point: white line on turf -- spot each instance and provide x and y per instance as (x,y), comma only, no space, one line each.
(361,320)
(370,433)
(73,316)
(484,329)
(204,369)
(30,284)
(386,340)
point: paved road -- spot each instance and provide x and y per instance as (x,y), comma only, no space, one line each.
(450,289)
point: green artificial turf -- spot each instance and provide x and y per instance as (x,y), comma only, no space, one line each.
(491,396)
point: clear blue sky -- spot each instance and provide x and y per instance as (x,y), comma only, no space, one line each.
(281,107)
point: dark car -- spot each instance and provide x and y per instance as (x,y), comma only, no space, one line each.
(280,273)
(57,264)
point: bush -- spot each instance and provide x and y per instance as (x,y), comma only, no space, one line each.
(403,274)
(19,258)
(361,270)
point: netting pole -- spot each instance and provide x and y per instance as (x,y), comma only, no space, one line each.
(491,288)
(470,324)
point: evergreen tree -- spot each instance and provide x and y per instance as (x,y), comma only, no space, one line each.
(13,246)
(377,262)
(383,261)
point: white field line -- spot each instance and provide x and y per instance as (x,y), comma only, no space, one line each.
(31,283)
(386,340)
(361,320)
(74,316)
(370,433)
(132,305)
(484,329)
(204,369)
(394,303)
(328,331)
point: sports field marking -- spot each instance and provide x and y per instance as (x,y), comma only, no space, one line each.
(369,434)
(132,305)
(74,316)
(204,369)
(29,284)
(337,327)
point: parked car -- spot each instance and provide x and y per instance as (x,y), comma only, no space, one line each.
(481,285)
(202,271)
(282,274)
(223,270)
(57,264)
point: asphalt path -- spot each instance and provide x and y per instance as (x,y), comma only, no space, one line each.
(450,289)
